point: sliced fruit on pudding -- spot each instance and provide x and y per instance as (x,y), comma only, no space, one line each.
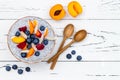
(40,46)
(30,53)
(46,32)
(18,39)
(38,33)
(24,28)
(22,45)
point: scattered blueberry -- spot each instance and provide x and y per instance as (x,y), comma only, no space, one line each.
(45,42)
(79,58)
(73,52)
(37,53)
(27,69)
(36,41)
(27,32)
(23,55)
(29,46)
(20,71)
(42,28)
(68,56)
(29,40)
(32,36)
(8,68)
(17,33)
(14,67)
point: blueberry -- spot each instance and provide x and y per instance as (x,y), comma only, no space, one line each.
(27,32)
(73,52)
(32,36)
(45,42)
(37,53)
(42,28)
(20,71)
(29,46)
(68,56)
(8,68)
(79,58)
(27,69)
(36,41)
(14,67)
(23,55)
(17,33)
(29,40)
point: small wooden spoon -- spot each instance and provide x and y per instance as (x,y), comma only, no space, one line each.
(68,32)
(79,36)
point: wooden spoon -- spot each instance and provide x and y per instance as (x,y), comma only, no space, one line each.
(79,36)
(68,32)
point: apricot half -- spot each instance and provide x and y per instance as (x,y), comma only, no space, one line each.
(74,8)
(57,12)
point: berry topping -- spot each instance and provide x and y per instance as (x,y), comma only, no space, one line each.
(42,28)
(29,46)
(73,52)
(79,58)
(32,36)
(17,33)
(40,46)
(21,45)
(23,55)
(8,68)
(37,53)
(20,71)
(68,56)
(45,42)
(36,41)
(27,32)
(24,28)
(29,40)
(27,69)
(14,67)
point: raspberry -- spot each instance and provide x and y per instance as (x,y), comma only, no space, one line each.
(40,46)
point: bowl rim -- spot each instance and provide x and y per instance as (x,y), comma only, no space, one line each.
(34,61)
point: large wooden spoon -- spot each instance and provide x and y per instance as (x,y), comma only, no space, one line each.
(68,32)
(79,36)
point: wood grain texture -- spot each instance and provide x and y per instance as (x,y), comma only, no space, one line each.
(100,50)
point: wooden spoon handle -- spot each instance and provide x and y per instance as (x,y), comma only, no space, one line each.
(63,49)
(62,43)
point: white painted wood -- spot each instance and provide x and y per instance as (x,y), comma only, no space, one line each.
(100,50)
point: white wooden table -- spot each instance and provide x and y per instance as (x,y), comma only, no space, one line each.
(100,50)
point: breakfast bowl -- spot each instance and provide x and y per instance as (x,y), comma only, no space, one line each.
(31,39)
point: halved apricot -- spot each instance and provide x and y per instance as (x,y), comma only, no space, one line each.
(57,12)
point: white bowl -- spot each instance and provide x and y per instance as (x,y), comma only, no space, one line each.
(16,51)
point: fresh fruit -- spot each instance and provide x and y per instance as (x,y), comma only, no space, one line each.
(68,56)
(14,66)
(57,12)
(42,28)
(31,26)
(30,53)
(23,34)
(24,28)
(27,32)
(29,46)
(36,41)
(38,34)
(17,33)
(23,55)
(37,53)
(21,45)
(29,40)
(46,32)
(32,36)
(74,8)
(20,71)
(73,52)
(45,42)
(35,23)
(79,58)
(8,68)
(27,69)
(18,40)
(40,46)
